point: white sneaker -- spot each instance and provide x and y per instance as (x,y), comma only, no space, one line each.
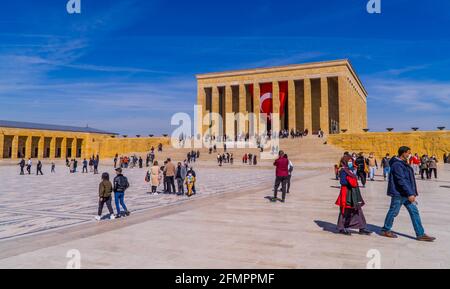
(112,217)
(98,218)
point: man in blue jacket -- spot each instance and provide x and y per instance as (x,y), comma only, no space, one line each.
(403,191)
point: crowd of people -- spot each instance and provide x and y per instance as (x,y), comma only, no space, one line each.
(401,188)
(249,158)
(225,157)
(366,167)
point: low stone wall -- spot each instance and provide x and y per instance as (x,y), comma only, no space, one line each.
(421,142)
(108,147)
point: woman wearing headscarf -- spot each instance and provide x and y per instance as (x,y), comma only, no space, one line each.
(350,201)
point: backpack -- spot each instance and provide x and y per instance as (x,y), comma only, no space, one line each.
(291,168)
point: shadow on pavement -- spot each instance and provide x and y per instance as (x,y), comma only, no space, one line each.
(331,227)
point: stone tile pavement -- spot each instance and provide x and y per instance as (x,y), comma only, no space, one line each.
(236,229)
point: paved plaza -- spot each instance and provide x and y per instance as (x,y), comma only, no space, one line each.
(229,224)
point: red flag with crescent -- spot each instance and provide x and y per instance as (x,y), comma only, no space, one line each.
(265,100)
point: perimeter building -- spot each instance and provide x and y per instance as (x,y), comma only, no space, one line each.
(34,140)
(323,95)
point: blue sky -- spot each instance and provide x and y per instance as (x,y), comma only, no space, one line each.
(128,65)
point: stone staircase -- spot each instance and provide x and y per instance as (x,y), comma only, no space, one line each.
(305,151)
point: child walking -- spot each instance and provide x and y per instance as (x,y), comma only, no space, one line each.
(104,194)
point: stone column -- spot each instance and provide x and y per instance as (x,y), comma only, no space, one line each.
(28,144)
(215,109)
(201,100)
(2,144)
(15,147)
(324,114)
(74,148)
(52,148)
(256,108)
(243,108)
(228,119)
(276,127)
(292,106)
(308,105)
(41,147)
(343,102)
(64,148)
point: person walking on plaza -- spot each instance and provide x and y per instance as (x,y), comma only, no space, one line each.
(154,177)
(281,176)
(72,166)
(120,186)
(415,163)
(53,168)
(403,191)
(424,167)
(290,170)
(385,166)
(39,168)
(91,165)
(85,166)
(432,166)
(189,181)
(96,166)
(29,165)
(361,168)
(22,166)
(180,177)
(170,175)
(104,197)
(191,171)
(350,201)
(373,166)
(140,161)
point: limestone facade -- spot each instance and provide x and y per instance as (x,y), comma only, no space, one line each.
(16,143)
(324,95)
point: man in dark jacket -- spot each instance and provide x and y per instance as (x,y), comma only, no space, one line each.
(39,168)
(361,165)
(120,186)
(403,191)
(281,176)
(22,166)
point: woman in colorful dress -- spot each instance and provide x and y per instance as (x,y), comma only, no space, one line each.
(350,201)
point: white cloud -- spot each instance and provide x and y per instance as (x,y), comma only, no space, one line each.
(411,95)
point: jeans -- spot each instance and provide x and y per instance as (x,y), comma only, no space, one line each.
(372,172)
(432,171)
(171,184)
(118,198)
(394,209)
(386,172)
(180,185)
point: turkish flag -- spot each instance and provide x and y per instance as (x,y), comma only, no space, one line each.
(283,94)
(266,98)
